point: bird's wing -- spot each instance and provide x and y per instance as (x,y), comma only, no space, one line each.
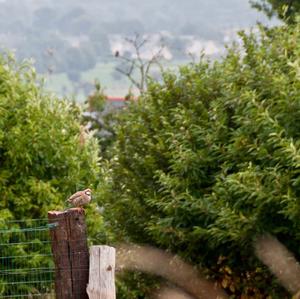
(79,201)
(75,195)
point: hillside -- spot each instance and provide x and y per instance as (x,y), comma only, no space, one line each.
(72,39)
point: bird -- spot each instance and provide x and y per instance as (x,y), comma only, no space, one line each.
(80,198)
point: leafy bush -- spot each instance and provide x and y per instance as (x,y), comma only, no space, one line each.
(209,159)
(284,9)
(44,158)
(99,117)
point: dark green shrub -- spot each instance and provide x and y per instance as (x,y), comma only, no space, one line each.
(210,158)
(284,9)
(44,158)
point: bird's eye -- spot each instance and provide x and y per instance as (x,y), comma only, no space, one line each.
(88,193)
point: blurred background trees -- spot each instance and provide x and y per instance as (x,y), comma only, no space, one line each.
(286,10)
(72,42)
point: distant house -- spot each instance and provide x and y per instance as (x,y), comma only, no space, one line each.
(116,101)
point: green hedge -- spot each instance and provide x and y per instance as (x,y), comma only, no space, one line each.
(44,158)
(41,157)
(210,158)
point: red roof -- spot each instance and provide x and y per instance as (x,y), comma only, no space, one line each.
(116,99)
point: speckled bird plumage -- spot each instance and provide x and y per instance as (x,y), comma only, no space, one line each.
(80,198)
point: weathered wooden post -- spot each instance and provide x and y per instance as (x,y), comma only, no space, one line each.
(70,253)
(102,273)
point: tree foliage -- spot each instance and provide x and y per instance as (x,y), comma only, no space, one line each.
(43,157)
(209,159)
(99,117)
(284,9)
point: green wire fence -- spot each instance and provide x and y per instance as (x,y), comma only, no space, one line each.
(26,264)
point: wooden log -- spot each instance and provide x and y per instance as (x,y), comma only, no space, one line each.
(70,253)
(102,273)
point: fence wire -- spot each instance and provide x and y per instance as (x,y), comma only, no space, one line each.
(26,264)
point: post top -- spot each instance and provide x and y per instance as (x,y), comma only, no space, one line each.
(71,210)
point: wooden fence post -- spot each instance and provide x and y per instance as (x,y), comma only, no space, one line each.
(70,253)
(102,273)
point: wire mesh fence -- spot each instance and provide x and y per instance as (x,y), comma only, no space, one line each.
(26,264)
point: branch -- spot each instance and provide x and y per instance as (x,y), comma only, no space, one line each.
(137,63)
(129,76)
(154,60)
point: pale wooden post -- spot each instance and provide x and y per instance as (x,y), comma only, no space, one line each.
(102,273)
(70,253)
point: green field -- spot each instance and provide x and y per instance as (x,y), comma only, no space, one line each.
(103,72)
